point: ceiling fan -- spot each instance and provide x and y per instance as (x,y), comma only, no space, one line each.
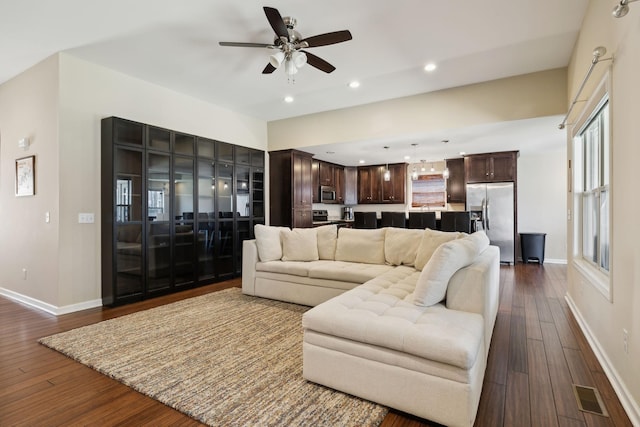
(289,45)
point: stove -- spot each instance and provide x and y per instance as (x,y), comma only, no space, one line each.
(320,215)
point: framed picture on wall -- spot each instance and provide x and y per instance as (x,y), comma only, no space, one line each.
(25,176)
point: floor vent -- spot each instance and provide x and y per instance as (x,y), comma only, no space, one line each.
(589,400)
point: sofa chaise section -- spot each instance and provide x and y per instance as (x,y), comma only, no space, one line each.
(375,343)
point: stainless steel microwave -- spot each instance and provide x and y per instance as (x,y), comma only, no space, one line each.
(327,194)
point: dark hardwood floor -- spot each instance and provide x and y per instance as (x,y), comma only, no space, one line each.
(537,352)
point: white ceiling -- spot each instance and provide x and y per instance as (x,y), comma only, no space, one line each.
(175,45)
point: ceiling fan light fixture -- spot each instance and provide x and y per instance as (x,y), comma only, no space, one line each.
(276,59)
(290,68)
(299,59)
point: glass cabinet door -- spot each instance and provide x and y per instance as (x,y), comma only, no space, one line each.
(226,214)
(128,220)
(183,249)
(159,139)
(206,235)
(159,221)
(243,203)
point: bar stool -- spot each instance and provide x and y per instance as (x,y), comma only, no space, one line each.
(365,220)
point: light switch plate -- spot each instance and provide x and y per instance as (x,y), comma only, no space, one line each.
(85,218)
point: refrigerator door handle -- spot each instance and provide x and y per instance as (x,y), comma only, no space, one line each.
(486,214)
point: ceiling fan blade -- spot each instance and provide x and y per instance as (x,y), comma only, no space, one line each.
(328,38)
(241,44)
(319,63)
(276,22)
(268,69)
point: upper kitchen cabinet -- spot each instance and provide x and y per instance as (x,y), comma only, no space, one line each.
(393,191)
(491,167)
(372,188)
(455,183)
(369,184)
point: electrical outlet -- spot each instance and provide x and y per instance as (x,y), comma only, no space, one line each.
(625,340)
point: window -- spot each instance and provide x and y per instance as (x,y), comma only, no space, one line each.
(591,148)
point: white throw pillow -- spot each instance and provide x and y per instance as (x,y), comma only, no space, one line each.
(448,258)
(401,245)
(431,239)
(268,242)
(327,240)
(360,245)
(299,244)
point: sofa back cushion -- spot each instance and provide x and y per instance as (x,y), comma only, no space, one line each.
(361,245)
(431,239)
(327,240)
(268,242)
(401,245)
(446,260)
(299,244)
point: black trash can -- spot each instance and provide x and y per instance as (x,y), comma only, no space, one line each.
(532,245)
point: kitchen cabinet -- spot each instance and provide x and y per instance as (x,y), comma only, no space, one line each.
(372,188)
(456,189)
(170,205)
(315,180)
(369,183)
(350,187)
(393,191)
(327,174)
(491,167)
(339,182)
(291,188)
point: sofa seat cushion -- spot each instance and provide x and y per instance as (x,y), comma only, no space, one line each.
(347,271)
(381,312)
(295,268)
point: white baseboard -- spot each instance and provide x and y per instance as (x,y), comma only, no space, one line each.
(51,309)
(549,261)
(627,401)
(555,261)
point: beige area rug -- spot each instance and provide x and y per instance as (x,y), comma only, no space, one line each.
(223,358)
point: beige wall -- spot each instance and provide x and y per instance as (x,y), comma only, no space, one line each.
(83,94)
(521,97)
(28,108)
(542,189)
(602,319)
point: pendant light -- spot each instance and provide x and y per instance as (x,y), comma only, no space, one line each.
(414,172)
(387,173)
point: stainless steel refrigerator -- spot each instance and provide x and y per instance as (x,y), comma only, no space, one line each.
(494,205)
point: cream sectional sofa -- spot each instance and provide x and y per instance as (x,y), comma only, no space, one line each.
(401,317)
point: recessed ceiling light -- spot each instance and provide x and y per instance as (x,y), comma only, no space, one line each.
(462,153)
(288,99)
(361,162)
(407,157)
(354,84)
(430,67)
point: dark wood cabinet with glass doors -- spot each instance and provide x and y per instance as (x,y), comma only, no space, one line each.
(175,209)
